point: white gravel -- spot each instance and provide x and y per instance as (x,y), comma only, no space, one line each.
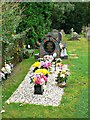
(52,94)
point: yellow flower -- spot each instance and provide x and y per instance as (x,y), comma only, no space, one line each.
(36,64)
(58,64)
(63,72)
(42,71)
(34,79)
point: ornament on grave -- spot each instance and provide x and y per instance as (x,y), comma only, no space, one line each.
(48,46)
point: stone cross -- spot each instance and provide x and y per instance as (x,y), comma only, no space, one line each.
(72,30)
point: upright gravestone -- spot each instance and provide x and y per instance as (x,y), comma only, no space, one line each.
(48,46)
(88,32)
(57,35)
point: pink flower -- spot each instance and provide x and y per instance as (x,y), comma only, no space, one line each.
(38,80)
(45,78)
(42,80)
(46,65)
(42,63)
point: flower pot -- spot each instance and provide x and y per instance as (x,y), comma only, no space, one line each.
(38,89)
(62,84)
(35,69)
(45,82)
(46,75)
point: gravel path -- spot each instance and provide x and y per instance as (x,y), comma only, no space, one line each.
(25,93)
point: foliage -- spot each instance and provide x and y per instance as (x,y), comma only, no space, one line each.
(26,54)
(10,20)
(37,17)
(70,15)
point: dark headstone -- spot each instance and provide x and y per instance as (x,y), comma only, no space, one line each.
(48,46)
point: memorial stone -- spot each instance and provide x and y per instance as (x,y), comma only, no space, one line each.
(48,46)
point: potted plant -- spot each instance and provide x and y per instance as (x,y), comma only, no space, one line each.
(38,80)
(62,78)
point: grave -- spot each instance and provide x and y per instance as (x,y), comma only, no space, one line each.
(74,35)
(49,45)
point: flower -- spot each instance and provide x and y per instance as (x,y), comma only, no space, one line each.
(38,79)
(46,64)
(58,60)
(62,75)
(48,58)
(36,64)
(42,71)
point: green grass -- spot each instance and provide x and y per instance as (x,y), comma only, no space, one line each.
(74,103)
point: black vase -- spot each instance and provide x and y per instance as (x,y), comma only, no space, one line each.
(46,75)
(38,89)
(35,69)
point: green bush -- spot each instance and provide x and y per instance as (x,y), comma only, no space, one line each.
(26,54)
(20,56)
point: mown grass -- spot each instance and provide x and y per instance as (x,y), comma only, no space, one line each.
(74,102)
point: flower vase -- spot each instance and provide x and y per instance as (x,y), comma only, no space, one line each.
(38,89)
(45,82)
(62,84)
(35,69)
(46,75)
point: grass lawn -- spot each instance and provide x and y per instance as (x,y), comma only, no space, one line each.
(74,103)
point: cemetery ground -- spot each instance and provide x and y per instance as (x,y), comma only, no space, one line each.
(74,103)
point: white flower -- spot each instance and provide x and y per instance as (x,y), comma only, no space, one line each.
(42,80)
(62,75)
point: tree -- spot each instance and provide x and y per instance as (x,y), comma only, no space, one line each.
(11,16)
(37,17)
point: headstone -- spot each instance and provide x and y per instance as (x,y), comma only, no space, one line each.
(48,46)
(57,35)
(88,32)
(75,36)
(84,28)
(62,33)
(72,30)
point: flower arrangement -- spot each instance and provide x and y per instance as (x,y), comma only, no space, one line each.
(38,79)
(42,71)
(46,64)
(48,58)
(36,64)
(62,77)
(58,60)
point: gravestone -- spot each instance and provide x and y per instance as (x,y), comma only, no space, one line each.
(57,35)
(62,33)
(74,35)
(48,46)
(88,32)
